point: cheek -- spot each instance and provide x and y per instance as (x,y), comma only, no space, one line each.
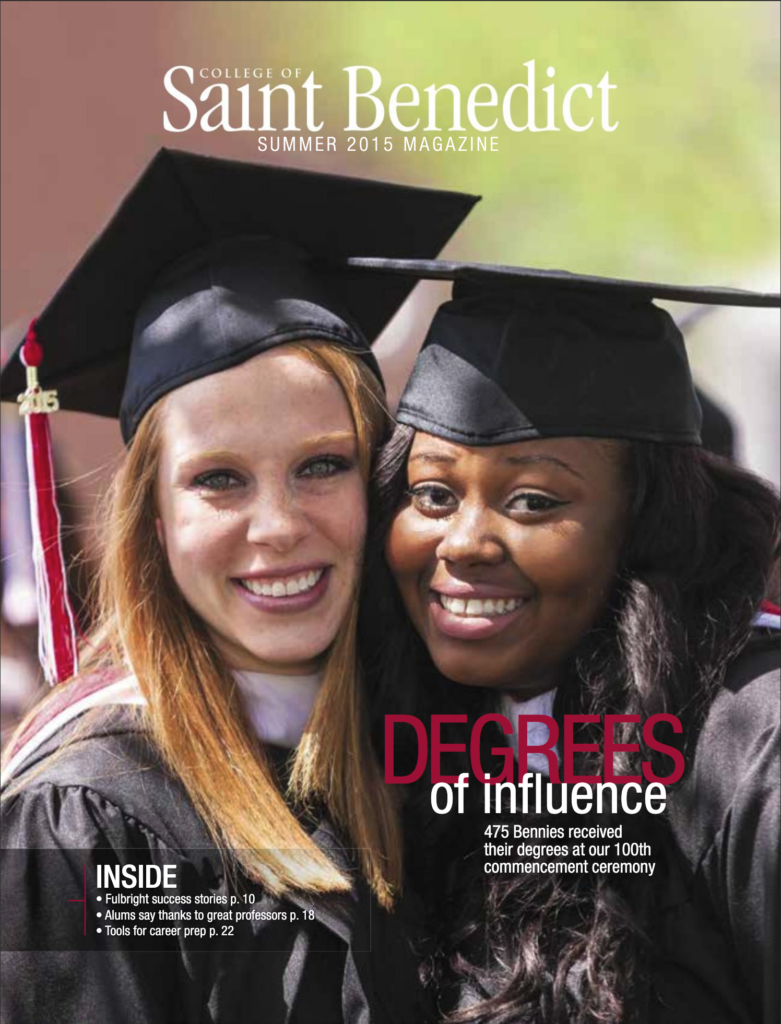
(402,550)
(197,541)
(341,518)
(410,551)
(411,544)
(570,561)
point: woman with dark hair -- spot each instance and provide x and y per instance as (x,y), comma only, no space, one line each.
(563,546)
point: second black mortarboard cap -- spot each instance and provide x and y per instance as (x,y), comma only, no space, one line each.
(521,353)
(208,262)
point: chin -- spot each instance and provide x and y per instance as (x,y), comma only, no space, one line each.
(281,652)
(460,671)
(295,655)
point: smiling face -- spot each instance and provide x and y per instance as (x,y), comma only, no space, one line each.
(262,508)
(505,556)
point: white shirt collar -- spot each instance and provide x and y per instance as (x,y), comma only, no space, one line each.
(536,732)
(278,707)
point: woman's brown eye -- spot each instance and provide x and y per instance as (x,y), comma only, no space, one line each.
(532,503)
(431,498)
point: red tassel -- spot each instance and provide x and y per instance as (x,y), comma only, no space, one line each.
(56,622)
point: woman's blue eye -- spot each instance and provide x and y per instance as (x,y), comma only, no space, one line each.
(218,480)
(531,502)
(433,498)
(325,466)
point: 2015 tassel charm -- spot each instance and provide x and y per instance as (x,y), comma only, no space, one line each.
(56,622)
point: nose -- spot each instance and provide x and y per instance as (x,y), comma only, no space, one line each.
(276,520)
(470,538)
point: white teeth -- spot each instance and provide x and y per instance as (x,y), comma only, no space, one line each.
(474,607)
(283,588)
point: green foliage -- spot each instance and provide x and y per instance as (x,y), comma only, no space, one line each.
(687,185)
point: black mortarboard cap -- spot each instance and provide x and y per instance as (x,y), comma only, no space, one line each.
(521,353)
(717,430)
(208,262)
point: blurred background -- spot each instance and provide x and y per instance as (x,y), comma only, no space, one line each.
(685,190)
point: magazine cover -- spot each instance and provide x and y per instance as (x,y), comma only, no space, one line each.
(390,522)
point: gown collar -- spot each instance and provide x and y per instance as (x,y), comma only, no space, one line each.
(277,706)
(536,732)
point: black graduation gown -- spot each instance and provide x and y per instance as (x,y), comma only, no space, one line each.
(350,963)
(714,949)
(719,921)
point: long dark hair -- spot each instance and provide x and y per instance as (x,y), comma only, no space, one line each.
(700,546)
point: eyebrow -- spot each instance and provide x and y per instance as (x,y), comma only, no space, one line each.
(333,438)
(210,455)
(226,455)
(523,460)
(446,460)
(435,458)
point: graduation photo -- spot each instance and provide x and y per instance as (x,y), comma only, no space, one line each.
(390,518)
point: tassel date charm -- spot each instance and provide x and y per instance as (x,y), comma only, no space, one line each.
(36,400)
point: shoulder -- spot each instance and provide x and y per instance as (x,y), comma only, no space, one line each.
(726,819)
(741,728)
(98,780)
(755,673)
(733,770)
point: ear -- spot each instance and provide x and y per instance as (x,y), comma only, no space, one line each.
(160,532)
